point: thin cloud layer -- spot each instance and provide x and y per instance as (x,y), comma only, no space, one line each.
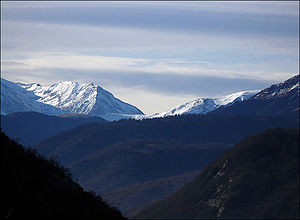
(129,66)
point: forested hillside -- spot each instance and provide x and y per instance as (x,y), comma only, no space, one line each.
(36,188)
(258,178)
(75,144)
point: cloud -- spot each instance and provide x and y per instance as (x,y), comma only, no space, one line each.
(29,37)
(275,7)
(134,66)
(242,18)
(164,82)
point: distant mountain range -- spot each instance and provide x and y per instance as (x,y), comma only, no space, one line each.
(256,179)
(205,105)
(277,100)
(60,98)
(91,99)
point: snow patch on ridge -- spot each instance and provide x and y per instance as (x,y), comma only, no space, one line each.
(205,105)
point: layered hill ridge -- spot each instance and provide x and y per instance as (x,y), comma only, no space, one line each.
(29,127)
(258,178)
(75,144)
(107,156)
(62,97)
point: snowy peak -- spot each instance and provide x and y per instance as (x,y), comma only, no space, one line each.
(205,105)
(277,100)
(82,98)
(235,97)
(289,87)
(64,97)
(15,98)
(72,97)
(29,87)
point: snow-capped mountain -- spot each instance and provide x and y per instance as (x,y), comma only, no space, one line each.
(17,99)
(289,87)
(205,105)
(62,97)
(277,100)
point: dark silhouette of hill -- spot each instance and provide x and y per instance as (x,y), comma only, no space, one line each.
(36,188)
(258,178)
(75,144)
(31,127)
(129,162)
(277,100)
(129,198)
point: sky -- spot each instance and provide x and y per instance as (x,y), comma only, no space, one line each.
(154,55)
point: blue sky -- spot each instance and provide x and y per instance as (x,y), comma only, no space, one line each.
(154,55)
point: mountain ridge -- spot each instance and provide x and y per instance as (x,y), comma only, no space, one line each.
(277,100)
(61,98)
(205,105)
(29,127)
(67,97)
(187,128)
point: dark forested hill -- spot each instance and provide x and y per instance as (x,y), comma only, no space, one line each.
(31,127)
(277,100)
(258,178)
(129,198)
(34,188)
(129,162)
(73,145)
